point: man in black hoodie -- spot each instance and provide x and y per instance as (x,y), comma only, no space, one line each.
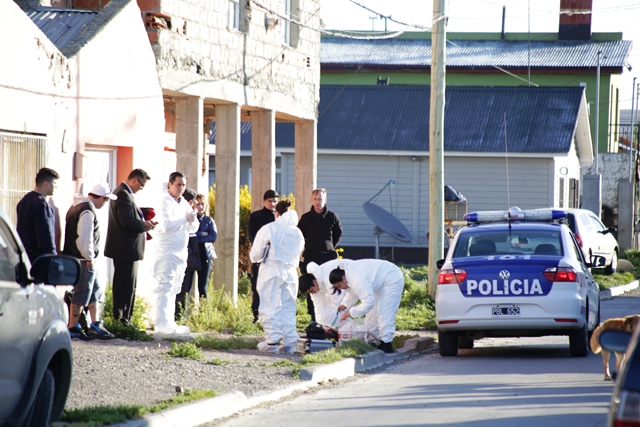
(322,232)
(257,219)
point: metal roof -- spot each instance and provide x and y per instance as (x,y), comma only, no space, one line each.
(61,26)
(396,118)
(394,53)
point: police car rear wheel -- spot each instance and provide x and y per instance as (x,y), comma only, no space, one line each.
(448,343)
(578,342)
(464,342)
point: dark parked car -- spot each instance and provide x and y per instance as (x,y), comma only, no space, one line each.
(35,347)
(625,402)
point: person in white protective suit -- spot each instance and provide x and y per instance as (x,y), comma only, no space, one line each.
(378,285)
(176,220)
(324,296)
(277,246)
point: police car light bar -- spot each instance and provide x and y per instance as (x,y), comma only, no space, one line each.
(515,214)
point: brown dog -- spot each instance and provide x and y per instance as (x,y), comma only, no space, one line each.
(617,324)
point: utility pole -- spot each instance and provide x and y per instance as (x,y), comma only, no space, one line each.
(631,163)
(595,139)
(436,142)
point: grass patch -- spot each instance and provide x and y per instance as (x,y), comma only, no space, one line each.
(232,343)
(220,362)
(187,350)
(350,348)
(284,363)
(219,313)
(98,416)
(399,340)
(135,332)
(605,282)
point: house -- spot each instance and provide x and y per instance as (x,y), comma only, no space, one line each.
(503,146)
(74,103)
(218,61)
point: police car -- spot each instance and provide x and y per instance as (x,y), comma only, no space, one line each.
(515,273)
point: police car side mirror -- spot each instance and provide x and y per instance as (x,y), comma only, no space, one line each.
(439,263)
(597,261)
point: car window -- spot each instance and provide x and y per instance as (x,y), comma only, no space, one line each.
(597,225)
(585,223)
(8,253)
(529,242)
(574,250)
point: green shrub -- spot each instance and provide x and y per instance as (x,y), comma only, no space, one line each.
(187,350)
(218,313)
(135,332)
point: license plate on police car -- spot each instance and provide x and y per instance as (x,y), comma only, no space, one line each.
(505,310)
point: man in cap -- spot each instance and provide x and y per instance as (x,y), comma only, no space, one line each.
(82,240)
(257,220)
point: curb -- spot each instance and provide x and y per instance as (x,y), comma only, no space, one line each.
(227,404)
(618,290)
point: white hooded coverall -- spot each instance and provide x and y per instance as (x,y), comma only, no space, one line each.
(278,278)
(325,302)
(170,238)
(378,285)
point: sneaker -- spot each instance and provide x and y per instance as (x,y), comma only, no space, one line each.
(97,330)
(386,347)
(268,348)
(77,333)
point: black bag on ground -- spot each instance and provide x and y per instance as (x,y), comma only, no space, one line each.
(318,331)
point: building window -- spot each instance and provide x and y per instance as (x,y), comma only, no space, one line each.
(286,24)
(234,14)
(28,151)
(561,193)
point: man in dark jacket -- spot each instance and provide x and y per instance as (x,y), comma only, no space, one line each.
(256,220)
(322,232)
(126,237)
(35,218)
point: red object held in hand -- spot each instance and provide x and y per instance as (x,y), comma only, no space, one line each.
(148,214)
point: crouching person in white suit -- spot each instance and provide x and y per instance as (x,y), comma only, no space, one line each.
(324,296)
(378,285)
(176,220)
(277,247)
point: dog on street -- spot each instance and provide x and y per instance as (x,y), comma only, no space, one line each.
(627,324)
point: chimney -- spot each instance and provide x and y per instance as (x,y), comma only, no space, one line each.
(575,19)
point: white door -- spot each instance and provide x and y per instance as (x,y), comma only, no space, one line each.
(100,167)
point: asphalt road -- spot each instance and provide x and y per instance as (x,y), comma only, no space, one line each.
(502,382)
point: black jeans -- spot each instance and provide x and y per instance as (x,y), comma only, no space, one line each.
(203,281)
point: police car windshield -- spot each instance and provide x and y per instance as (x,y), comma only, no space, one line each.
(479,242)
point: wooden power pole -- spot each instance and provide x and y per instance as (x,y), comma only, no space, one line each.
(436,142)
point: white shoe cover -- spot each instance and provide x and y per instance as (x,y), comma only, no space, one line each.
(172,329)
(267,348)
(286,349)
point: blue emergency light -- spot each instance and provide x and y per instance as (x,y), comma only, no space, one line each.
(515,214)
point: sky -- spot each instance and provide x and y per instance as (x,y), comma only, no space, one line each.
(486,16)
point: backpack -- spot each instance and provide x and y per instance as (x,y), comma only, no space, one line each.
(318,331)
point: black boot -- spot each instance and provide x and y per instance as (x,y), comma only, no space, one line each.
(385,346)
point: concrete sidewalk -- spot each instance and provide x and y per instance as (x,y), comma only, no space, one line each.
(618,290)
(227,404)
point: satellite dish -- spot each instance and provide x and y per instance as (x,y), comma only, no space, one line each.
(387,223)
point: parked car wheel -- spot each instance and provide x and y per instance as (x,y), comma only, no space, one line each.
(578,342)
(465,342)
(42,406)
(613,267)
(448,343)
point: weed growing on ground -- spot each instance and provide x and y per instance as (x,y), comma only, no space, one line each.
(231,343)
(219,313)
(187,350)
(399,340)
(135,332)
(220,362)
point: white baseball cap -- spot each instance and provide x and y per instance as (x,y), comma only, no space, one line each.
(102,190)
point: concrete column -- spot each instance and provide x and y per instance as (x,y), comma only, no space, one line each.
(626,214)
(190,157)
(592,193)
(227,214)
(306,159)
(263,155)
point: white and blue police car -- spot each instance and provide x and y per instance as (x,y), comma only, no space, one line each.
(515,273)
